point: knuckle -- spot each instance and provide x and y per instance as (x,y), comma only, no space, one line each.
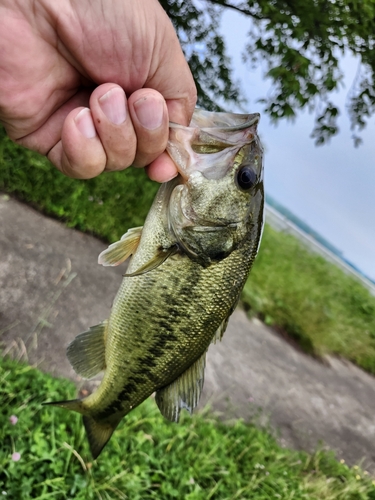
(120,154)
(153,144)
(149,150)
(83,166)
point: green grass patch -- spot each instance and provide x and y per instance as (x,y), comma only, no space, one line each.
(148,457)
(312,301)
(306,298)
(106,206)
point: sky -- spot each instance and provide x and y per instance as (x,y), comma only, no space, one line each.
(331,187)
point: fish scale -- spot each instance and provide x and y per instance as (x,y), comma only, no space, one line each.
(188,266)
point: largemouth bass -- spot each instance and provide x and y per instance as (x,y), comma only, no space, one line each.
(188,266)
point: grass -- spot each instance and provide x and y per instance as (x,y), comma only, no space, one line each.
(199,459)
(299,293)
(106,206)
(311,301)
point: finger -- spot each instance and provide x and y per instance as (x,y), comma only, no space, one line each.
(44,138)
(181,110)
(162,169)
(149,115)
(169,72)
(79,154)
(114,126)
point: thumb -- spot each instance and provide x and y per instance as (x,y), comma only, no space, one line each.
(171,75)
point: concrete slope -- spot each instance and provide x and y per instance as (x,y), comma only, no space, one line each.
(51,288)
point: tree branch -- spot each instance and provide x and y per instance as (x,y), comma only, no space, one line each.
(246,12)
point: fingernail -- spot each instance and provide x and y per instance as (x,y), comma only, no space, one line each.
(113,105)
(85,124)
(149,112)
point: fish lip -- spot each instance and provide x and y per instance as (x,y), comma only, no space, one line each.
(235,128)
(230,128)
(223,117)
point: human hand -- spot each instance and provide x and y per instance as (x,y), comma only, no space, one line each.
(92,84)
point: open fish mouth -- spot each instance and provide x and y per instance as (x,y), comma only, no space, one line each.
(211,142)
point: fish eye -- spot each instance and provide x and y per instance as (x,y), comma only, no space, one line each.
(246,177)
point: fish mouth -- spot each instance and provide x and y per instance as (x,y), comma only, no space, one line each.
(210,144)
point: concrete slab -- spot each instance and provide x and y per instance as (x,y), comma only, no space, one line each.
(51,288)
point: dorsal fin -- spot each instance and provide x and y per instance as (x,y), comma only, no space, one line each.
(86,352)
(118,252)
(184,392)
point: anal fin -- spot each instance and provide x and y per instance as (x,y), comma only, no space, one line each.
(118,252)
(86,353)
(71,405)
(184,392)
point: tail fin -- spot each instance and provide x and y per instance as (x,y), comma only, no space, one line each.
(98,433)
(72,405)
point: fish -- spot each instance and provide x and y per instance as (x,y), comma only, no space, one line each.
(188,265)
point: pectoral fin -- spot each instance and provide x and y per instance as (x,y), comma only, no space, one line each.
(118,252)
(160,257)
(87,351)
(184,392)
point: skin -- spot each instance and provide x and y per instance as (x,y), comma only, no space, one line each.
(92,84)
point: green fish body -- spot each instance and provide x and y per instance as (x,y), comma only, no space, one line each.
(188,266)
